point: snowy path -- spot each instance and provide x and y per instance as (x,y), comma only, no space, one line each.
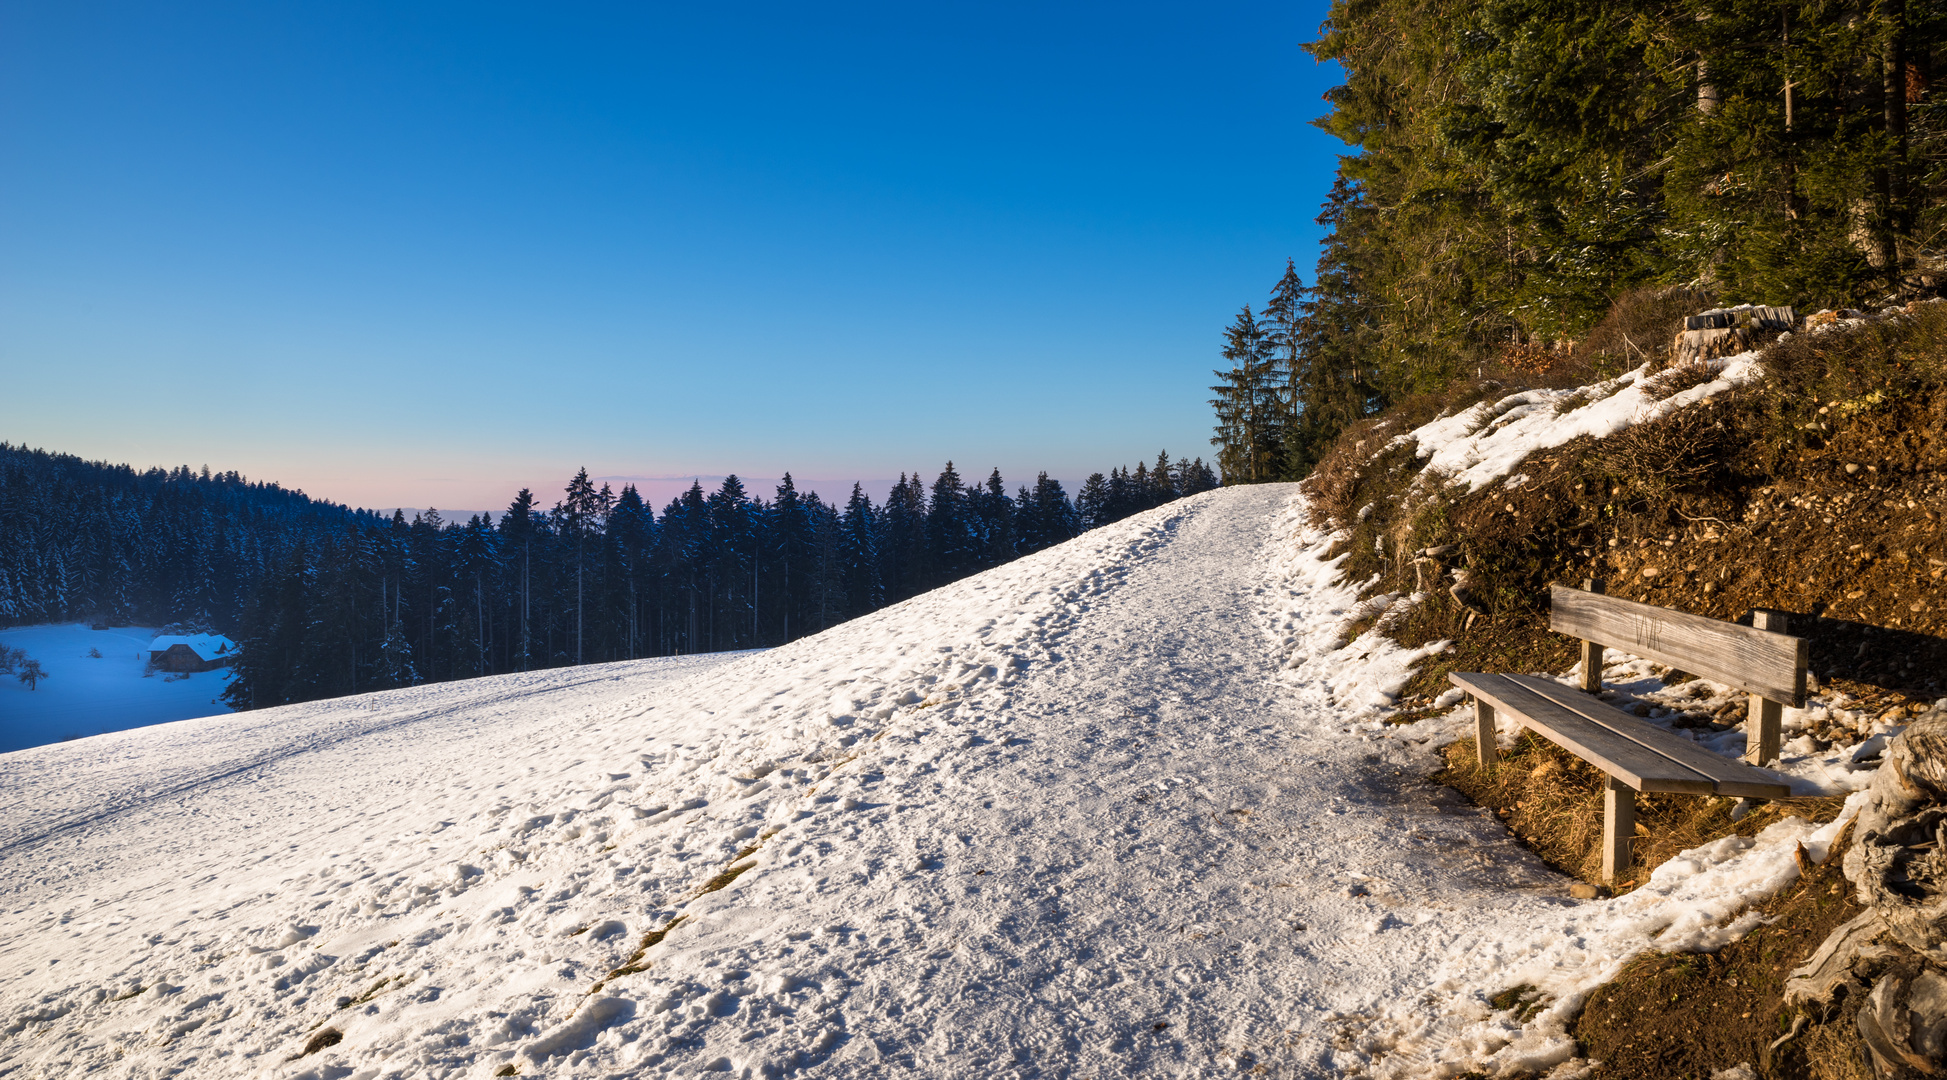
(1087,814)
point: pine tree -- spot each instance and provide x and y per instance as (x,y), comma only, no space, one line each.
(1092,502)
(477,555)
(732,566)
(632,528)
(1195,477)
(1249,404)
(950,540)
(858,555)
(792,536)
(993,522)
(902,550)
(1335,382)
(1044,517)
(1162,480)
(581,513)
(517,527)
(825,595)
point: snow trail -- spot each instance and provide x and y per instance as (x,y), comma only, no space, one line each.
(1121,808)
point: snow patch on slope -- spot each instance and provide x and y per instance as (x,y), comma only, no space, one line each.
(1486,442)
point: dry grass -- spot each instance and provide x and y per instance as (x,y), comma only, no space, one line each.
(1685,451)
(650,940)
(1552,800)
(1678,378)
(1353,472)
(1835,1051)
(323,1040)
(1639,328)
(1694,1014)
(1535,360)
(724,879)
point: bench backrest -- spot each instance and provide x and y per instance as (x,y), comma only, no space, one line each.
(1770,665)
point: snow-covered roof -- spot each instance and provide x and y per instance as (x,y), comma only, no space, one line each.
(205,646)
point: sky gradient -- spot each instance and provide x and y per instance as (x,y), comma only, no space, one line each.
(422,254)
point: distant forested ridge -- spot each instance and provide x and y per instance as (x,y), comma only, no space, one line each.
(1518,167)
(327,600)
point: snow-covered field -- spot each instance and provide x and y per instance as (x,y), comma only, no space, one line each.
(1121,808)
(87,695)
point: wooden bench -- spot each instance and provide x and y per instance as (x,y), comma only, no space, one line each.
(1637,756)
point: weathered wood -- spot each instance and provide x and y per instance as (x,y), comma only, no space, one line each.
(1591,650)
(1815,981)
(1757,661)
(1484,749)
(1635,764)
(1618,828)
(1727,777)
(1764,726)
(1591,667)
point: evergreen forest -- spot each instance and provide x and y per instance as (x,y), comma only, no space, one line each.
(326,600)
(1517,169)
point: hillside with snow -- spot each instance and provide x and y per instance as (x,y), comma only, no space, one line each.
(1125,807)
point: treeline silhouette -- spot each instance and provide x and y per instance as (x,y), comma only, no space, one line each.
(327,600)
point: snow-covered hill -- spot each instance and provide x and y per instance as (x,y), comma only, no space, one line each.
(1119,808)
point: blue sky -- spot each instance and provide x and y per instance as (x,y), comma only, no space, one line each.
(418,254)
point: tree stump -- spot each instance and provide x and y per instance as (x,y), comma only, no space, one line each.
(1887,968)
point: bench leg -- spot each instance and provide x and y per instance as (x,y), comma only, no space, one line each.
(1591,667)
(1763,731)
(1484,747)
(1618,827)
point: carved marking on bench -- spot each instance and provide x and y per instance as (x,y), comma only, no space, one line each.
(1648,634)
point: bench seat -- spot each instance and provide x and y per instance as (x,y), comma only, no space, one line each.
(1637,756)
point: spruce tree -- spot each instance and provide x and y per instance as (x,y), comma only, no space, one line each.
(632,528)
(517,527)
(792,537)
(993,522)
(950,540)
(1092,502)
(903,547)
(731,567)
(581,513)
(825,592)
(858,555)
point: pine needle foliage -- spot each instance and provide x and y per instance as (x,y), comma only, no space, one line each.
(1516,167)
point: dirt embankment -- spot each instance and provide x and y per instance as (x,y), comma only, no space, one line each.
(1820,490)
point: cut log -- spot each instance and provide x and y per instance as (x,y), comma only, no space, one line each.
(1831,968)
(1904,1022)
(1898,867)
(1901,873)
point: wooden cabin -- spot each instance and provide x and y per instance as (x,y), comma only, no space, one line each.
(191,652)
